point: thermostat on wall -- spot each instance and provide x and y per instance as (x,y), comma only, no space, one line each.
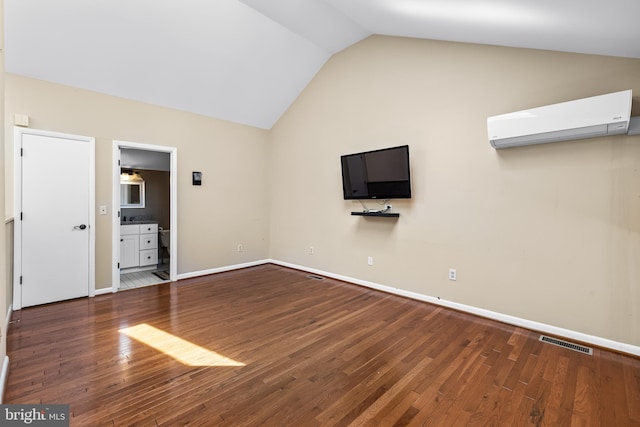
(197,178)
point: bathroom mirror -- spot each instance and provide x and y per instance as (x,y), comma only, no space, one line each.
(132,194)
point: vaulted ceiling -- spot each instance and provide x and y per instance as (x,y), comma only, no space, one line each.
(246,61)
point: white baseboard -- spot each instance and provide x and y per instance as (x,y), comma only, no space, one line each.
(189,275)
(4,375)
(512,320)
(221,269)
(505,318)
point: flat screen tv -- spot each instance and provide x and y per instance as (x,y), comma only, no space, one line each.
(378,174)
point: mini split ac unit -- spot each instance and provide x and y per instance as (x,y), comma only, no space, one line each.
(583,118)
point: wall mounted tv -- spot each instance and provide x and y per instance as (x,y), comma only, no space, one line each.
(378,174)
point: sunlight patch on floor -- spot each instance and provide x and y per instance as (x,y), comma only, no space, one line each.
(181,350)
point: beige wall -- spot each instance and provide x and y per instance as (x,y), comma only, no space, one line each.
(547,233)
(229,208)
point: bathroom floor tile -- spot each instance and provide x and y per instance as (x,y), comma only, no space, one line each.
(139,279)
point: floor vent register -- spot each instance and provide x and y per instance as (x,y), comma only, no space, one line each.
(567,344)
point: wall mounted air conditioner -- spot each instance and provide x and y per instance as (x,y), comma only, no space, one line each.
(583,118)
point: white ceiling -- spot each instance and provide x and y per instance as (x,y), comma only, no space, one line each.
(131,158)
(247,60)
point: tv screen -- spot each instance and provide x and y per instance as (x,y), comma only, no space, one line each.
(378,174)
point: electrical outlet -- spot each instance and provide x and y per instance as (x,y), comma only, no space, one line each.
(453,274)
(370,260)
(311,250)
(240,247)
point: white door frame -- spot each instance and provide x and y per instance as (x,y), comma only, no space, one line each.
(173,199)
(17,207)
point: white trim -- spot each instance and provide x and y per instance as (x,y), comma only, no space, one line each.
(115,246)
(92,218)
(7,320)
(103,291)
(4,376)
(222,269)
(4,373)
(500,317)
(17,207)
(115,218)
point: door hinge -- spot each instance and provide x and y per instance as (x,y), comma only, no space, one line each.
(21,280)
(20,216)
(118,265)
(21,152)
(118,214)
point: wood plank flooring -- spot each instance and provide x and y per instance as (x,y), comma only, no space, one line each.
(306,353)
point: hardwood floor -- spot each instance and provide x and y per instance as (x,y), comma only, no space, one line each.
(269,346)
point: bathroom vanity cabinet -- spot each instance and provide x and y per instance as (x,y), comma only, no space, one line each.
(138,246)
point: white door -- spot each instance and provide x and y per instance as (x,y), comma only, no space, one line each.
(56,213)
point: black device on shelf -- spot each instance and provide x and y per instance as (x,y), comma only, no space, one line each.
(377,174)
(382,214)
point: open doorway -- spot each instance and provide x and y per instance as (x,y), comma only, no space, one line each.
(144,215)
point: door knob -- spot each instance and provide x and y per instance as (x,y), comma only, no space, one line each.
(80,227)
